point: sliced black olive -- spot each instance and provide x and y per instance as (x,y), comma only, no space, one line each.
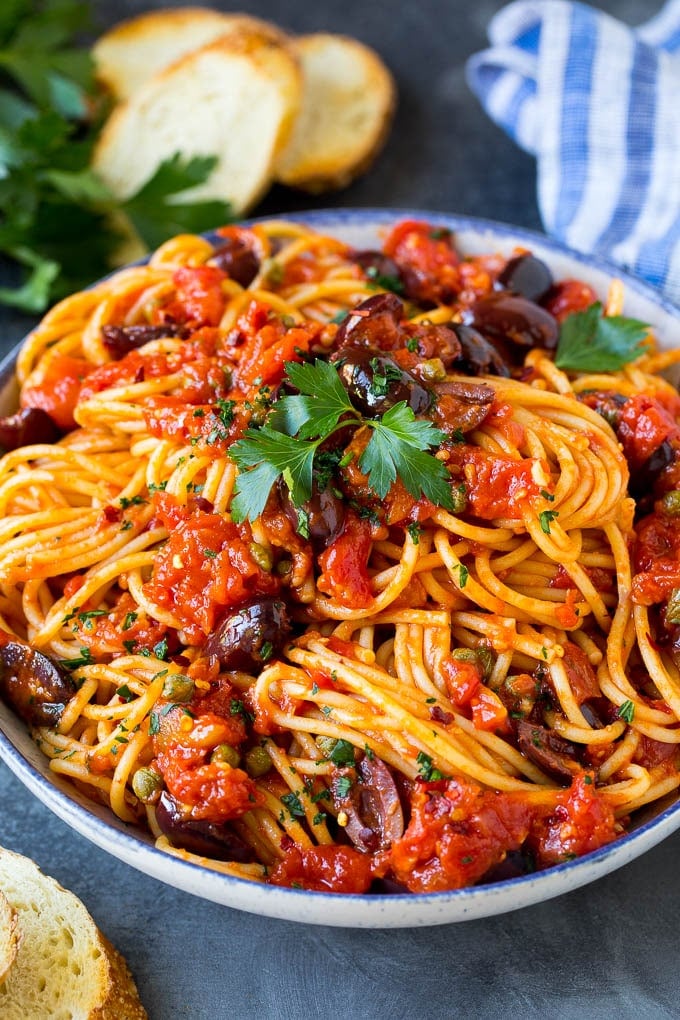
(643,479)
(319,519)
(526,275)
(375,382)
(375,818)
(461,406)
(28,426)
(513,319)
(209,839)
(237,260)
(375,322)
(553,755)
(478,356)
(120,340)
(35,686)
(250,636)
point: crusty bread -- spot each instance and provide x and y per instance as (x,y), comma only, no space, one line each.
(64,969)
(347,108)
(9,936)
(235,98)
(136,49)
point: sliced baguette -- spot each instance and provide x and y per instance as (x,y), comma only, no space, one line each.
(133,51)
(348,104)
(9,936)
(235,98)
(64,969)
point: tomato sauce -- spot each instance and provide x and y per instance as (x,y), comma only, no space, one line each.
(58,388)
(344,564)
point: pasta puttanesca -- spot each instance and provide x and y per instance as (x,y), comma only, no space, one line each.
(464,694)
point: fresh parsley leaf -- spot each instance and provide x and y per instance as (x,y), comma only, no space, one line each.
(322,401)
(545,518)
(591,342)
(627,711)
(269,454)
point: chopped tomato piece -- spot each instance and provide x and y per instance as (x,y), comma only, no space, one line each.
(461,678)
(344,564)
(581,821)
(426,256)
(644,425)
(496,486)
(340,869)
(488,711)
(56,388)
(198,296)
(569,296)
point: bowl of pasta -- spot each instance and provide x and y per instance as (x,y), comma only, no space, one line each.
(339,571)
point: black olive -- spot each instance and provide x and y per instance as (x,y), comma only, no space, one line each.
(320,518)
(375,321)
(512,319)
(36,687)
(526,275)
(250,636)
(375,382)
(209,839)
(237,260)
(555,756)
(478,356)
(381,269)
(643,479)
(26,427)
(120,340)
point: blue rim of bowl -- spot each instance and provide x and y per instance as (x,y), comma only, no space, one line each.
(538,886)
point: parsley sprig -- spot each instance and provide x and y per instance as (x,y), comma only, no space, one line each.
(60,227)
(592,342)
(287,444)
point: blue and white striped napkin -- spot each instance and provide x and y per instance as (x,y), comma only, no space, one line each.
(598,104)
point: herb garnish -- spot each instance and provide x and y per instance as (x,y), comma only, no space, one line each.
(592,342)
(285,447)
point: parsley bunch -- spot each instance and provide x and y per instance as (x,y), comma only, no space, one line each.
(287,444)
(59,225)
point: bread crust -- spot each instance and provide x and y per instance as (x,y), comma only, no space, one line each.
(63,964)
(236,98)
(9,936)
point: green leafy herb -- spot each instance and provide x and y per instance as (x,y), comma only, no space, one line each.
(342,786)
(627,711)
(286,446)
(592,342)
(84,659)
(59,224)
(385,281)
(426,769)
(544,519)
(294,804)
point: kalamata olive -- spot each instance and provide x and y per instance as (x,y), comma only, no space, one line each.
(435,341)
(120,340)
(28,426)
(250,636)
(380,268)
(461,406)
(237,260)
(607,403)
(526,275)
(35,686)
(375,322)
(320,518)
(553,755)
(375,382)
(510,318)
(643,478)
(373,808)
(209,839)
(478,356)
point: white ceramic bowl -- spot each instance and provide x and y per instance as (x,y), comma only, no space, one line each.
(359,227)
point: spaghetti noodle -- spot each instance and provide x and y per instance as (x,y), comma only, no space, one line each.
(354,688)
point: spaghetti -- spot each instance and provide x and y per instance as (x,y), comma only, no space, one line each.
(363,688)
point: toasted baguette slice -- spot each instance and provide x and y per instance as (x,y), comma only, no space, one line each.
(9,936)
(347,108)
(135,50)
(64,966)
(235,98)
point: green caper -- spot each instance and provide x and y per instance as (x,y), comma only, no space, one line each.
(262,556)
(178,687)
(459,495)
(326,745)
(673,607)
(227,754)
(482,657)
(147,784)
(432,370)
(671,502)
(257,761)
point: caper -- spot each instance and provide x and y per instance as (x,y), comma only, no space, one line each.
(227,754)
(432,370)
(262,556)
(673,607)
(482,657)
(178,687)
(326,745)
(257,761)
(671,502)
(147,784)
(459,498)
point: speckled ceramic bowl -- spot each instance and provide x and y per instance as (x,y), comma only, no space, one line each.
(360,227)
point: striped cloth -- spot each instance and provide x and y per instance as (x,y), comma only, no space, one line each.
(598,104)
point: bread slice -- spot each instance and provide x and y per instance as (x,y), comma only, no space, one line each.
(136,49)
(348,104)
(235,98)
(64,969)
(9,936)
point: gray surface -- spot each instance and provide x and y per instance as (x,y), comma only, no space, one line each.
(604,951)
